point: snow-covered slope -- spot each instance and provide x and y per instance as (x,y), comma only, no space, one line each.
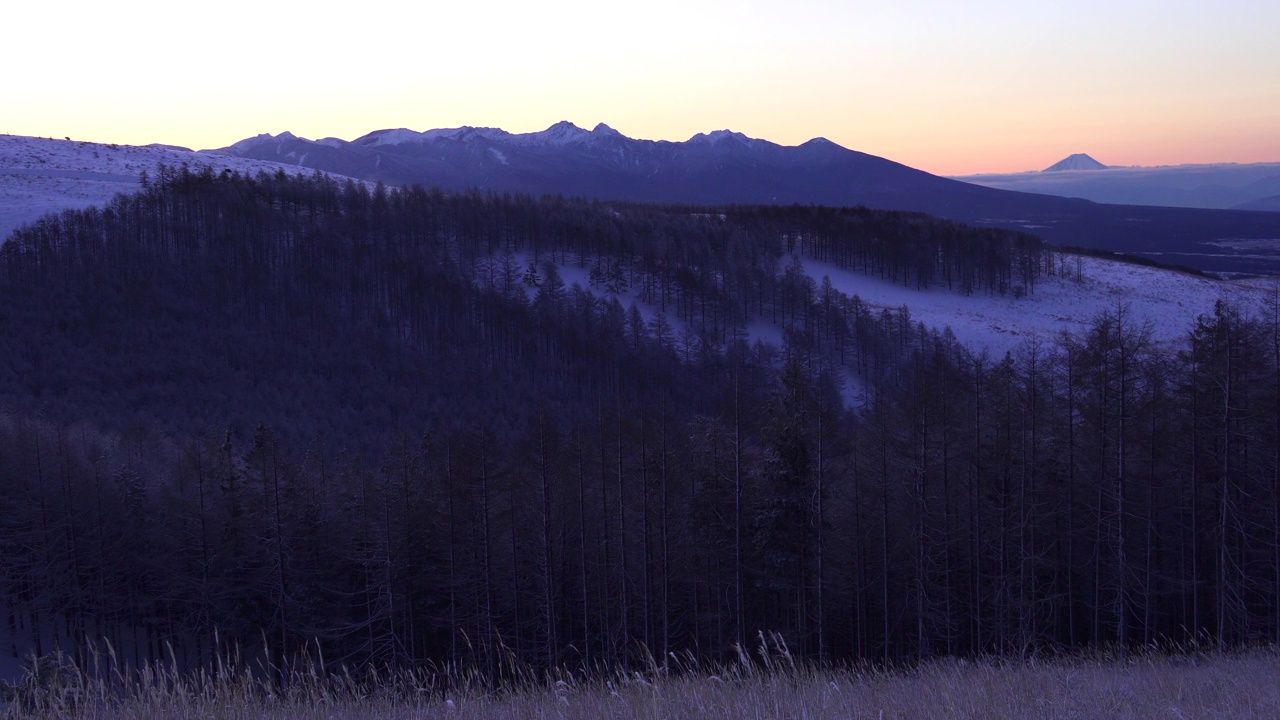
(1081,289)
(42,175)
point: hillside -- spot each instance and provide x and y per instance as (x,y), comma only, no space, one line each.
(44,175)
(725,167)
(380,425)
(39,175)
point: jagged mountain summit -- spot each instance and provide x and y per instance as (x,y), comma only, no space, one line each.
(717,167)
(1078,161)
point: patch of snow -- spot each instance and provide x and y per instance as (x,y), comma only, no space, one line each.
(1272,244)
(499,155)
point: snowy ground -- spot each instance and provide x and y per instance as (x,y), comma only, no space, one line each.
(1170,300)
(1069,301)
(42,175)
(1082,289)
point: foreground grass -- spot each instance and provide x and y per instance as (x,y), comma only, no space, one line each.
(1245,685)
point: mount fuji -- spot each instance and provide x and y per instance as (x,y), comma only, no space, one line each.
(1078,161)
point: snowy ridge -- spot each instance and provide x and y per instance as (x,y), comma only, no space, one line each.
(720,137)
(561,134)
(41,175)
(256,140)
(398,136)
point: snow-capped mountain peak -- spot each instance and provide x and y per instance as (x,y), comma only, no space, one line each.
(396,136)
(1078,161)
(562,133)
(244,146)
(403,136)
(603,130)
(717,137)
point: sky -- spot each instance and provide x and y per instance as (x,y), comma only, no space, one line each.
(944,86)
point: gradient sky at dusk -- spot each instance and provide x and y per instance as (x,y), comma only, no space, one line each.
(948,87)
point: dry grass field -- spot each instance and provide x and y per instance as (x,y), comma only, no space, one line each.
(1242,685)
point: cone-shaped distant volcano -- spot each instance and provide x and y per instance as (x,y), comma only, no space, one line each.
(1079,161)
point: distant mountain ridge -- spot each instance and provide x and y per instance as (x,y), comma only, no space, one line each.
(726,167)
(1216,186)
(717,167)
(1078,161)
(1266,204)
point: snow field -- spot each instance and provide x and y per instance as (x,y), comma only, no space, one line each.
(42,175)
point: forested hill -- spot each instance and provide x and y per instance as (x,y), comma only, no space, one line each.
(330,310)
(286,411)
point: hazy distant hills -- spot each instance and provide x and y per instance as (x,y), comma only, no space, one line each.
(1221,186)
(1270,204)
(725,167)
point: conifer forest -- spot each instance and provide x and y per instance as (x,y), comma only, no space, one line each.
(311,418)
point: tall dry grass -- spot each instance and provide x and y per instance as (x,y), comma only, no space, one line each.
(1241,685)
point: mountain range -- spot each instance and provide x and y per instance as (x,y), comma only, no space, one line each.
(725,167)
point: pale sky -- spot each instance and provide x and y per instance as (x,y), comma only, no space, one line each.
(944,86)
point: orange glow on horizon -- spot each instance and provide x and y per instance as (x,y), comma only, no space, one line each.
(984,87)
